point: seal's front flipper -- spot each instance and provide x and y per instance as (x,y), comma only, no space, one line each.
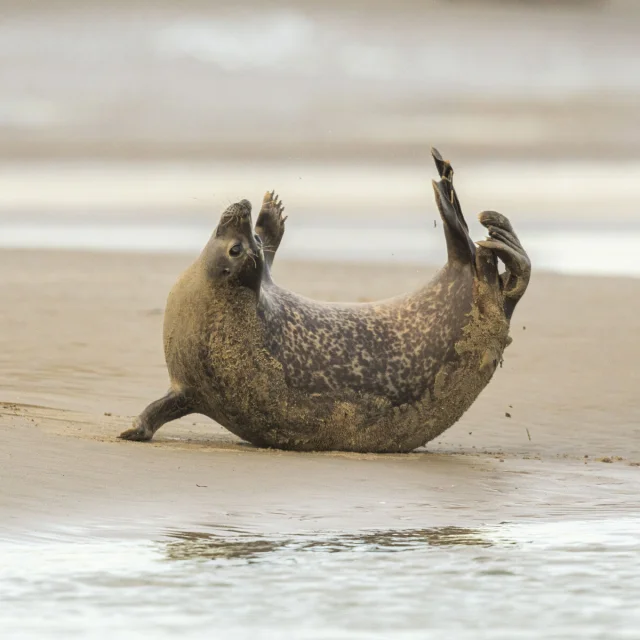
(460,247)
(171,407)
(504,242)
(270,225)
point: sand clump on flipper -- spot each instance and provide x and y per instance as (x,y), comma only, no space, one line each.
(281,370)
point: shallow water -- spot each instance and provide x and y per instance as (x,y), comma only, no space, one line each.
(384,59)
(338,211)
(528,580)
(577,251)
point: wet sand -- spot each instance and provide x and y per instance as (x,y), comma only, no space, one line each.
(81,354)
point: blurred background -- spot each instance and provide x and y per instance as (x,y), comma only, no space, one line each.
(130,125)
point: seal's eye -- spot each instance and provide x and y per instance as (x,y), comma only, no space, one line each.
(258,238)
(236,250)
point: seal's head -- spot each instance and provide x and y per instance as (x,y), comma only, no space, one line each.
(234,255)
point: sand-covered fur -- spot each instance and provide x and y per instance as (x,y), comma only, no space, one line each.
(281,370)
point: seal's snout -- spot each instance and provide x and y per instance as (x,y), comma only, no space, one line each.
(237,219)
(240,210)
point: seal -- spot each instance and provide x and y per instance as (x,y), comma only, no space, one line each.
(280,370)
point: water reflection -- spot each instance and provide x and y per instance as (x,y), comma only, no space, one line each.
(189,545)
(374,584)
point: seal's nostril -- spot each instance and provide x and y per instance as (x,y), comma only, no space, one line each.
(245,205)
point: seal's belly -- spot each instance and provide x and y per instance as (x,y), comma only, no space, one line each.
(392,349)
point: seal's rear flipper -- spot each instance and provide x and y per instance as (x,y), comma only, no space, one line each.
(446,171)
(460,247)
(504,242)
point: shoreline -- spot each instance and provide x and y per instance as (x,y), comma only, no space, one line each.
(81,349)
(195,478)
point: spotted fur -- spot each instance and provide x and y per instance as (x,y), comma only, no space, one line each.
(281,370)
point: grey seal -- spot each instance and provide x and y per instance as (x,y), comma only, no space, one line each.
(280,370)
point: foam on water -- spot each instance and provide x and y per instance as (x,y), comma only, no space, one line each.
(291,41)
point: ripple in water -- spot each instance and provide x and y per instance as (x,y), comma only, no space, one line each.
(552,580)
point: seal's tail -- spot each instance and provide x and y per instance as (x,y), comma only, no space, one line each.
(460,247)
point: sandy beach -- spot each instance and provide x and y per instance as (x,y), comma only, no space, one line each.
(82,354)
(127,127)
